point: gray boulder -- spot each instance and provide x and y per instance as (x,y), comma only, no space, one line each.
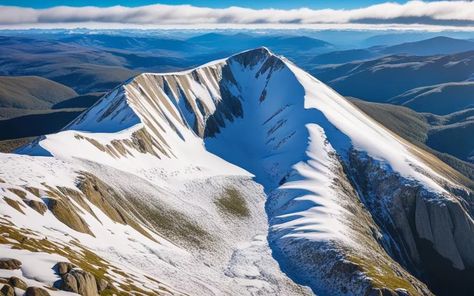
(64,267)
(69,283)
(79,281)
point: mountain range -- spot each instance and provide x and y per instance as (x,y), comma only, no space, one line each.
(245,175)
(437,84)
(92,63)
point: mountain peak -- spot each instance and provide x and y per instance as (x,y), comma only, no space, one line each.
(259,134)
(261,51)
(255,85)
(253,56)
(197,93)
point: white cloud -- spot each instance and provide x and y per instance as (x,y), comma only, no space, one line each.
(442,13)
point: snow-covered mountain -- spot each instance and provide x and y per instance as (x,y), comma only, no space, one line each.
(245,176)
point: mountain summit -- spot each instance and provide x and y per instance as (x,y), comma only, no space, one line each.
(243,176)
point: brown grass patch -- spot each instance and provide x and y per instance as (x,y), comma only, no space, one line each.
(232,202)
(14,204)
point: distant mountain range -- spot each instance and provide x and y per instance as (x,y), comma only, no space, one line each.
(97,62)
(30,92)
(91,63)
(439,45)
(432,46)
(437,84)
(446,136)
(239,41)
(344,56)
(440,99)
(85,69)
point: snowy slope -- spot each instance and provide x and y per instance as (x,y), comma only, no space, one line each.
(181,177)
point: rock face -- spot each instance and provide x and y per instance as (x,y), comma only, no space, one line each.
(63,267)
(8,263)
(36,291)
(69,283)
(66,214)
(433,232)
(369,271)
(386,292)
(79,281)
(447,226)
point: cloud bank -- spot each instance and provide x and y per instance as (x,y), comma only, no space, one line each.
(435,13)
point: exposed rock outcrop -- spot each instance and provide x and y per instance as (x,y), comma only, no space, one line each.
(109,201)
(66,214)
(448,226)
(17,283)
(9,263)
(418,222)
(36,291)
(369,271)
(14,204)
(63,267)
(79,281)
(387,292)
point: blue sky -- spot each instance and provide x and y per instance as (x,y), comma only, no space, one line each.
(282,4)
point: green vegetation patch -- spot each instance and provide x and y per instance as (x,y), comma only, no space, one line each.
(173,224)
(233,203)
(382,275)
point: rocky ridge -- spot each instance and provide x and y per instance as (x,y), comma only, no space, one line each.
(346,216)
